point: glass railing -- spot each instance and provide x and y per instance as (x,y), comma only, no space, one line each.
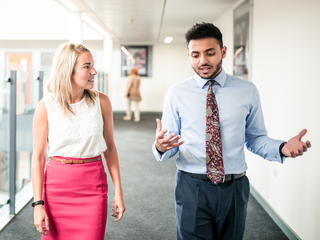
(15,161)
(4,136)
(16,135)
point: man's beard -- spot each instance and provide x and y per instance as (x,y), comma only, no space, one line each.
(218,67)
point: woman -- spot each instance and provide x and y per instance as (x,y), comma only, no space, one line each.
(133,94)
(75,124)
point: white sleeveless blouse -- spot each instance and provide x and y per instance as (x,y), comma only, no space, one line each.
(81,135)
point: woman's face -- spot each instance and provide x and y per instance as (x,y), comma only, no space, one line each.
(84,72)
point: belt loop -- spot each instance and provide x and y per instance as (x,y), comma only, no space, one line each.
(223,179)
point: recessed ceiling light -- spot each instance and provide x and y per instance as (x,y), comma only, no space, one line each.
(168,40)
(70,5)
(95,26)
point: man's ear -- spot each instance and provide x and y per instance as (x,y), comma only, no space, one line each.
(224,51)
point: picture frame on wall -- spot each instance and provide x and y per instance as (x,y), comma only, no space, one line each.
(135,57)
(241,39)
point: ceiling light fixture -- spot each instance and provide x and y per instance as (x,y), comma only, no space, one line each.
(70,5)
(168,40)
(126,52)
(95,26)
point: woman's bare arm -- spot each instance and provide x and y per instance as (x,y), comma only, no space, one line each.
(111,156)
(40,135)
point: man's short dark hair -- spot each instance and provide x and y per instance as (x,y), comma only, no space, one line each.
(204,30)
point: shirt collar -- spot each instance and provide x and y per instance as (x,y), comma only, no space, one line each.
(220,79)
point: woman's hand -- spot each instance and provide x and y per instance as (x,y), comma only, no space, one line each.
(118,208)
(40,216)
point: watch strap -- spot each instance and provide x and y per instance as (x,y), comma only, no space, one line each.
(37,203)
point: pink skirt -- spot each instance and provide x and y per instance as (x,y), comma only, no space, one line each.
(76,200)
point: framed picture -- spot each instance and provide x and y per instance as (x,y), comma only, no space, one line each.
(241,40)
(134,57)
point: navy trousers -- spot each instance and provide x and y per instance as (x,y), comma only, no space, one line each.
(207,211)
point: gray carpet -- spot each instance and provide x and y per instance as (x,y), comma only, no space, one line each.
(148,188)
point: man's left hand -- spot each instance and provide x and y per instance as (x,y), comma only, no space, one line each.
(295,147)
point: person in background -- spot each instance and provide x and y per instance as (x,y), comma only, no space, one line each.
(208,119)
(75,125)
(133,95)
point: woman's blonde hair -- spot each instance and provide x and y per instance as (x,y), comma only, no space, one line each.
(59,83)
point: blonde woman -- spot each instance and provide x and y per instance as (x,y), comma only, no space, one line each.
(133,94)
(75,124)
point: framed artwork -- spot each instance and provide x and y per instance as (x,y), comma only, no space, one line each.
(241,40)
(134,57)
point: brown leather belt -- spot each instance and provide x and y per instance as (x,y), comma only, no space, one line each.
(73,161)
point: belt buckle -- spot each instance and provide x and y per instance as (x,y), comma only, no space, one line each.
(222,180)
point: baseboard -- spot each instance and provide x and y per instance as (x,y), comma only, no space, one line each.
(275,217)
(123,112)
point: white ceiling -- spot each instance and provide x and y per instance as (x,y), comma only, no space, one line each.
(151,20)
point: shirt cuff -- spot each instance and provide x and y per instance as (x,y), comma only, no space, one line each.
(277,156)
(280,149)
(160,157)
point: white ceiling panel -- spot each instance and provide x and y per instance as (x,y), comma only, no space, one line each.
(129,20)
(151,20)
(181,15)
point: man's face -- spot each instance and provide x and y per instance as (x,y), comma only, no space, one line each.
(206,57)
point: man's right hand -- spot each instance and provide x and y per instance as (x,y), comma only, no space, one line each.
(164,144)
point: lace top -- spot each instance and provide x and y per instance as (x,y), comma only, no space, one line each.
(81,135)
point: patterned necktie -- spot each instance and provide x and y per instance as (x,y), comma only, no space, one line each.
(215,169)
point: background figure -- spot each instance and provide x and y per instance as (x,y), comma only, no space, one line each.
(133,94)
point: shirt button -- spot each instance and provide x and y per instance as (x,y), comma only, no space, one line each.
(276,157)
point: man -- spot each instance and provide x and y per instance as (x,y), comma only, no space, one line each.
(208,119)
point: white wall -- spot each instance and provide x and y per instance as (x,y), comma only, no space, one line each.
(225,24)
(170,65)
(285,68)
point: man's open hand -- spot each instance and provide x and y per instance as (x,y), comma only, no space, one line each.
(166,143)
(295,147)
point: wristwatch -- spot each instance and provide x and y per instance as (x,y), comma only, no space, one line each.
(280,149)
(37,203)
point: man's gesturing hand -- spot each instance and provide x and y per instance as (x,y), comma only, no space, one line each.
(165,143)
(295,147)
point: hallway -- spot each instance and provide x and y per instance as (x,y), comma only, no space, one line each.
(148,188)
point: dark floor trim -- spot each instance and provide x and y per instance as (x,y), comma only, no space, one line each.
(275,217)
(124,113)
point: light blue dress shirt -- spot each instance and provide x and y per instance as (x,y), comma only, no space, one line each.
(241,123)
